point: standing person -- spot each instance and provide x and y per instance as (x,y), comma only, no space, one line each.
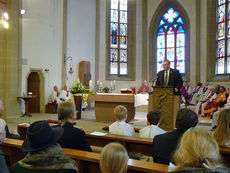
(170,77)
(153,119)
(44,153)
(65,94)
(164,145)
(114,159)
(72,137)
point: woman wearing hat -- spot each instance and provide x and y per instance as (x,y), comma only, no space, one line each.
(45,155)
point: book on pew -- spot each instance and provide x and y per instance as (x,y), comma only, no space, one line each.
(98,133)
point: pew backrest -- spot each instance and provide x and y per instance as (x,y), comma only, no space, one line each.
(87,161)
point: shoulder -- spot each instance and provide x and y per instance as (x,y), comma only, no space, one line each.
(174,70)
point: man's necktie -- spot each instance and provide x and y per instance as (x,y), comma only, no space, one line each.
(166,78)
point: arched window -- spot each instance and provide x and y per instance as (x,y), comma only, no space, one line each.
(223,37)
(118,49)
(171,40)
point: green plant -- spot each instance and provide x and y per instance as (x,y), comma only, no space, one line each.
(106,89)
(78,87)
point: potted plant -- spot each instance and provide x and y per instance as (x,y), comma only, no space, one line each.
(106,89)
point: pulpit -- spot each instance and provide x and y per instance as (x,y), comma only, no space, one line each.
(168,104)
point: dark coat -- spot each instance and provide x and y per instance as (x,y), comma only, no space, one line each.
(164,146)
(16,168)
(201,170)
(175,80)
(74,138)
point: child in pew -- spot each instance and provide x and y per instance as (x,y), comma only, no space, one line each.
(120,127)
(114,159)
(222,132)
(198,152)
(72,137)
(153,119)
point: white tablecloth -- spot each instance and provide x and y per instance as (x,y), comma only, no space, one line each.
(141,99)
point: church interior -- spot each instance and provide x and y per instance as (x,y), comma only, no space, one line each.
(111,47)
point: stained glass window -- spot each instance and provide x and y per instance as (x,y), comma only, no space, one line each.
(171,40)
(223,37)
(118,37)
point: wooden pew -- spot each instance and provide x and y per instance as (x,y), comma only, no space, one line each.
(132,144)
(87,161)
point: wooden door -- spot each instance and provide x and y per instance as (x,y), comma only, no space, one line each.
(33,85)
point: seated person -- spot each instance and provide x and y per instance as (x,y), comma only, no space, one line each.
(222,131)
(65,94)
(153,119)
(217,113)
(120,127)
(198,152)
(45,154)
(186,93)
(165,144)
(114,159)
(72,137)
(196,93)
(219,102)
(202,104)
(3,166)
(145,88)
(205,90)
(56,98)
(14,134)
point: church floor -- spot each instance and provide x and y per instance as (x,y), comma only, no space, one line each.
(89,124)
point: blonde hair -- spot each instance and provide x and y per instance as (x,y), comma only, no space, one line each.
(222,132)
(65,111)
(113,158)
(197,148)
(120,112)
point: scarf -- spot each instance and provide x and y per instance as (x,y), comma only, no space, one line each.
(51,158)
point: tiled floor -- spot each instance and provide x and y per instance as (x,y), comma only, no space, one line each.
(89,124)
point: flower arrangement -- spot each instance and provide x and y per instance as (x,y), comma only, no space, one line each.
(78,87)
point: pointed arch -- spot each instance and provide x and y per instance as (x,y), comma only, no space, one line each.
(154,28)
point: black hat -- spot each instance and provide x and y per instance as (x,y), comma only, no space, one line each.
(40,136)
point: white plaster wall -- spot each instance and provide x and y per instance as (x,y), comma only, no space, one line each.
(81,27)
(42,41)
(102,48)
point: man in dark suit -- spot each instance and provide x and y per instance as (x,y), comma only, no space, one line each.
(170,77)
(164,145)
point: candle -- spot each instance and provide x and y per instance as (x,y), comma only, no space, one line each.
(100,84)
(111,84)
(97,82)
(114,82)
(90,86)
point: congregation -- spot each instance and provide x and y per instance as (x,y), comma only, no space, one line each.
(188,147)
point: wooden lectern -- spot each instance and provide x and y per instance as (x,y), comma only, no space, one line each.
(168,104)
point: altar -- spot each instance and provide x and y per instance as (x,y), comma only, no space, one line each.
(106,102)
